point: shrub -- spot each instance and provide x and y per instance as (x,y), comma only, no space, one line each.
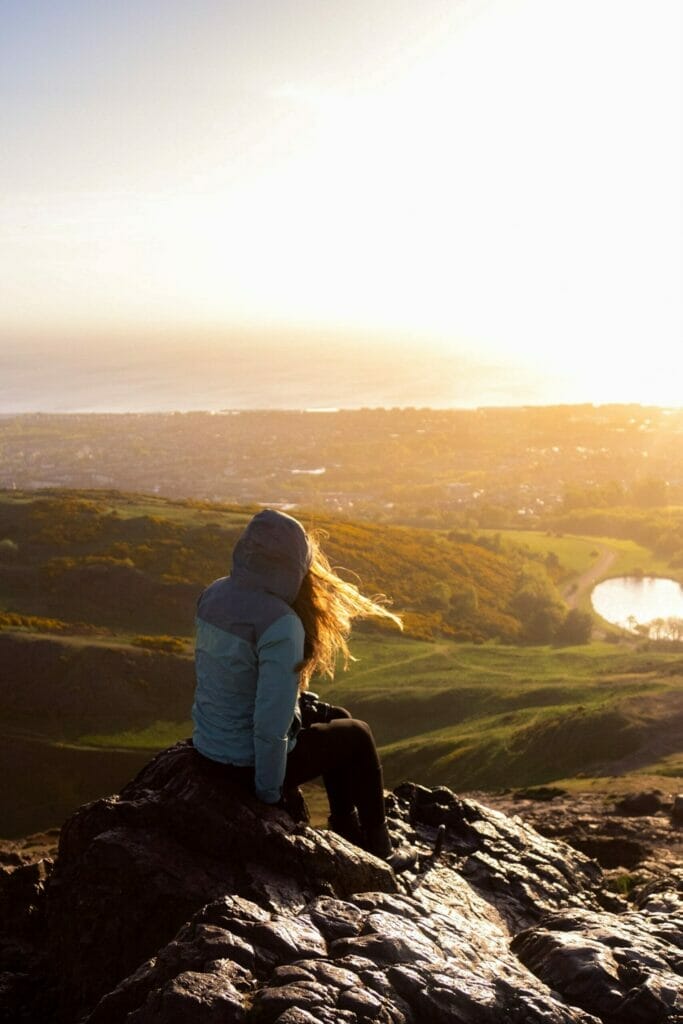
(9,550)
(39,624)
(537,605)
(168,644)
(576,628)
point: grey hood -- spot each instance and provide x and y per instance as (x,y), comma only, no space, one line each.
(273,554)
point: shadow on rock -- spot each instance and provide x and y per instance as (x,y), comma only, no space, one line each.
(133,868)
(180,902)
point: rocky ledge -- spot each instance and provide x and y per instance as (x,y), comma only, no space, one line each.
(179,902)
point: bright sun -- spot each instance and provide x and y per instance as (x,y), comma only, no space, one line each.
(511,191)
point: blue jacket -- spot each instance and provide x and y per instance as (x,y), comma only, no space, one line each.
(249,645)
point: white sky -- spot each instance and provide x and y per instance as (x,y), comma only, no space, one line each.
(501,178)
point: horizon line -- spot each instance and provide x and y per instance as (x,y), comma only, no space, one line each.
(327,410)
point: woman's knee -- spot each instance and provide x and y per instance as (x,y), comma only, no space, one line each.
(343,739)
(359,734)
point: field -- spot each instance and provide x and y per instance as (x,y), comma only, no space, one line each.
(84,706)
(469,716)
(577,554)
(581,562)
(489,715)
(492,716)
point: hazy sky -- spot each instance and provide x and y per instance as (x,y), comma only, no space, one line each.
(494,179)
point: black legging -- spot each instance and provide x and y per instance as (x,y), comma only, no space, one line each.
(343,751)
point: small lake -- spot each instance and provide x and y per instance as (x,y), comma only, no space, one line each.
(629,600)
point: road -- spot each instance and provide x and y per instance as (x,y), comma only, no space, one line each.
(576,590)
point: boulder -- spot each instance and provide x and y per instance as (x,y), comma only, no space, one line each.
(646,803)
(25,867)
(638,849)
(132,868)
(677,811)
(178,901)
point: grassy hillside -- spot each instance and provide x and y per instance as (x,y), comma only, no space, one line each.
(658,531)
(97,595)
(136,564)
(493,716)
(80,717)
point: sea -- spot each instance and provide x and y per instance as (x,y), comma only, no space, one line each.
(124,378)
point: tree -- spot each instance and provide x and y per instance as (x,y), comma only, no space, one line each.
(675,628)
(438,598)
(465,600)
(650,493)
(537,605)
(576,628)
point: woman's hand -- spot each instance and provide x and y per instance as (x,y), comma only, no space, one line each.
(292,801)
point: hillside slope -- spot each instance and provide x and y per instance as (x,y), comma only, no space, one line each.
(97,594)
(138,563)
(78,716)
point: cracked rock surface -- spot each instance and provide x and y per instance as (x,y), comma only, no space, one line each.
(178,902)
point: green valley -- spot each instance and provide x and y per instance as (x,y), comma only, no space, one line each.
(97,592)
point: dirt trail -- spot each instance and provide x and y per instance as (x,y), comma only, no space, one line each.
(585,582)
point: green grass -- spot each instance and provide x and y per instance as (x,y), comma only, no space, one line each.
(631,556)
(154,736)
(490,716)
(578,553)
(485,715)
(469,716)
(575,553)
(130,505)
(465,714)
(670,767)
(187,513)
(527,747)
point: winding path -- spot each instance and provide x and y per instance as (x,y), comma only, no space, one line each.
(576,590)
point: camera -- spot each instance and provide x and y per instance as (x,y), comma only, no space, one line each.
(314,710)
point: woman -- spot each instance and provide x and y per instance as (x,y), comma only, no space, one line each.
(262,632)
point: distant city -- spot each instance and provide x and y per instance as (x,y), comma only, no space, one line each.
(484,467)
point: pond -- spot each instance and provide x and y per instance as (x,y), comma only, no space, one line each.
(632,601)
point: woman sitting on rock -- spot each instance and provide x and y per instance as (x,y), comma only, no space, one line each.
(282,615)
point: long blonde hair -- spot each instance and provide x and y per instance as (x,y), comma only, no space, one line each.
(327,606)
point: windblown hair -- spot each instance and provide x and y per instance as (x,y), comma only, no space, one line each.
(327,606)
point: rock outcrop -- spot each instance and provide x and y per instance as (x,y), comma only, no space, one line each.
(177,901)
(637,839)
(25,866)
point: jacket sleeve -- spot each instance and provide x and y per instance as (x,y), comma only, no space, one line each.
(280,650)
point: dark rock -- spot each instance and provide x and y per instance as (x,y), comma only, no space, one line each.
(539,793)
(677,811)
(30,850)
(171,842)
(645,846)
(213,997)
(178,902)
(22,894)
(362,1003)
(272,1001)
(295,1015)
(612,851)
(640,803)
(615,967)
(25,992)
(336,919)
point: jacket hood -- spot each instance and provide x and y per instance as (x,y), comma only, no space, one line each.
(273,554)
